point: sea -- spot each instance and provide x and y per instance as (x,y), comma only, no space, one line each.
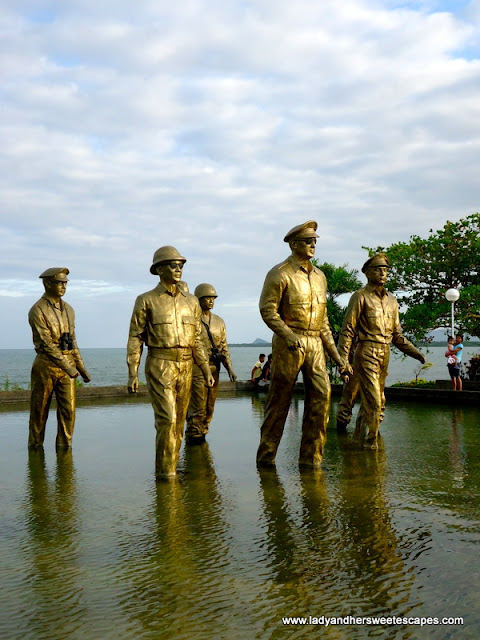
(108,366)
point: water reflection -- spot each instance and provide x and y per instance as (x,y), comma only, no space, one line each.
(371,560)
(227,551)
(456,452)
(53,581)
(179,568)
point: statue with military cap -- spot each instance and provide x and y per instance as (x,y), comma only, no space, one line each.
(58,361)
(293,304)
(372,320)
(214,338)
(167,321)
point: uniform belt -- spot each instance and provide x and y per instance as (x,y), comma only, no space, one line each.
(44,356)
(176,354)
(306,332)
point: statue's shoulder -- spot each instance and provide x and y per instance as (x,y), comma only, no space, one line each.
(67,306)
(280,269)
(38,307)
(217,319)
(318,272)
(147,296)
(191,299)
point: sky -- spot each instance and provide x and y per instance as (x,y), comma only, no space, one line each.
(216,126)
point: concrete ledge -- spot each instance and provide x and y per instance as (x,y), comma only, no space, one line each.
(89,395)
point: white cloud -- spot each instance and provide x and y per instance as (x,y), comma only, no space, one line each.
(217,127)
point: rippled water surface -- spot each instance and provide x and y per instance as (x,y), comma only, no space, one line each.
(92,548)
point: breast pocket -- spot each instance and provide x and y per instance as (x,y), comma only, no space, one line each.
(189,327)
(390,321)
(375,322)
(162,324)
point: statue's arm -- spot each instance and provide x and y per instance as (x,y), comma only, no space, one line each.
(200,354)
(269,304)
(350,325)
(224,350)
(77,356)
(401,342)
(136,339)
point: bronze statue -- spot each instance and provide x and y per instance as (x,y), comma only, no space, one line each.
(372,319)
(58,361)
(293,304)
(167,320)
(214,337)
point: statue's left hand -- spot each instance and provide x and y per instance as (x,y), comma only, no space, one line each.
(232,376)
(132,384)
(346,369)
(86,376)
(210,380)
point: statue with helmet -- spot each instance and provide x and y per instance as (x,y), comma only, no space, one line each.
(293,304)
(372,323)
(167,321)
(203,397)
(58,361)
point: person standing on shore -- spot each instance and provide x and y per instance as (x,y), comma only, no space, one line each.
(58,361)
(455,352)
(167,320)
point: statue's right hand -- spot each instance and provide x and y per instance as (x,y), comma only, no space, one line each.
(133,384)
(294,342)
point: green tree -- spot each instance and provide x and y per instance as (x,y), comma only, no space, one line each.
(421,270)
(340,280)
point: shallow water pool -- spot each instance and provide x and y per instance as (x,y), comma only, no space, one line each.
(92,548)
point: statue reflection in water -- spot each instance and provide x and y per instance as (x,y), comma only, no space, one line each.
(178,576)
(295,546)
(372,558)
(53,587)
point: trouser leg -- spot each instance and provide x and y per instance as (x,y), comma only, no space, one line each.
(202,403)
(197,405)
(285,368)
(317,404)
(65,396)
(371,363)
(212,393)
(349,395)
(42,383)
(169,384)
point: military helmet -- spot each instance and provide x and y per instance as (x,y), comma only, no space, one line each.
(203,290)
(165,254)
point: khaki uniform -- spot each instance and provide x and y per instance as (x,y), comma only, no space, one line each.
(53,370)
(373,316)
(203,397)
(170,327)
(293,303)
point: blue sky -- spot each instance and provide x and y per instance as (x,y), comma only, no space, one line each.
(216,127)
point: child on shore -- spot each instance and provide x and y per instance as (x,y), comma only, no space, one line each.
(450,353)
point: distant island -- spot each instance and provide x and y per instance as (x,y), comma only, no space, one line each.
(258,342)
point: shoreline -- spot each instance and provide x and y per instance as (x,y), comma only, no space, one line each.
(19,400)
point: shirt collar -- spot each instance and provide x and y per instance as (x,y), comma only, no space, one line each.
(371,289)
(161,290)
(296,265)
(52,303)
